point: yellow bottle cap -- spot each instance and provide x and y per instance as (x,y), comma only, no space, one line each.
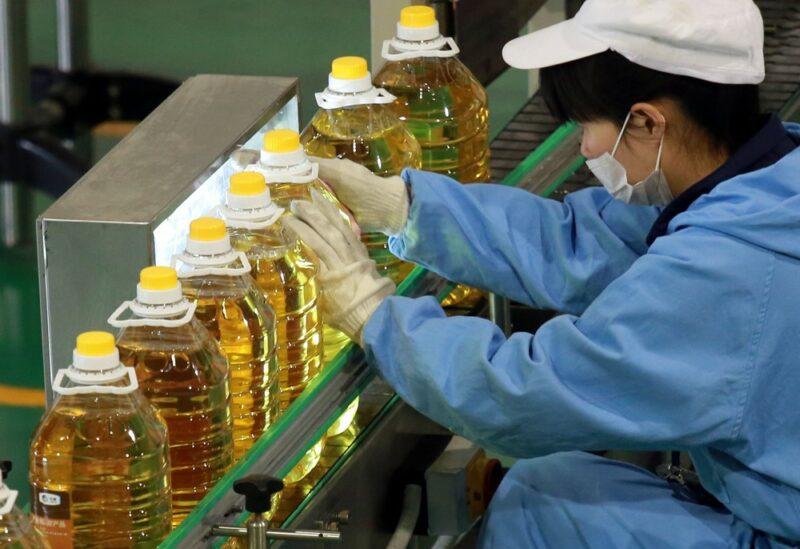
(281,141)
(95,344)
(417,16)
(349,68)
(207,229)
(158,278)
(248,184)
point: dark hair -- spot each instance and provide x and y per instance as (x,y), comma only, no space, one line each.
(605,86)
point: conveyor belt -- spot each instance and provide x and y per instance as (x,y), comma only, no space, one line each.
(526,131)
(533,124)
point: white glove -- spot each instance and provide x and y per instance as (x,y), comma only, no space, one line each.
(351,287)
(379,204)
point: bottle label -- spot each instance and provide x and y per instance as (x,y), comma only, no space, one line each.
(51,516)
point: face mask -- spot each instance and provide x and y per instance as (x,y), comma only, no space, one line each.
(652,191)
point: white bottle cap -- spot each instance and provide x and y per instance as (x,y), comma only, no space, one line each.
(95,366)
(418,36)
(208,236)
(350,84)
(159,298)
(95,352)
(158,286)
(248,202)
(417,23)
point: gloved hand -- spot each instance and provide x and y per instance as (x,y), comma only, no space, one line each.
(379,204)
(351,287)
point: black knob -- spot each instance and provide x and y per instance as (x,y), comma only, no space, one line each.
(5,468)
(257,491)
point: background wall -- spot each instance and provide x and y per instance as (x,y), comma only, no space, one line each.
(179,38)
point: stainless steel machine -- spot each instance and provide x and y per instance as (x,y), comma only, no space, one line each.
(132,209)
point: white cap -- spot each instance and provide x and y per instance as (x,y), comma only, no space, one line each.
(350,84)
(417,23)
(248,204)
(95,365)
(158,286)
(716,40)
(95,352)
(208,236)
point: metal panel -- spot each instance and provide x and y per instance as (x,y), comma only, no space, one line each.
(87,274)
(362,485)
(156,166)
(95,238)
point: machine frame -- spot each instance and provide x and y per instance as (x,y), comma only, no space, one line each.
(132,209)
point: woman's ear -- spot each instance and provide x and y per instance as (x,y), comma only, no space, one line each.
(647,121)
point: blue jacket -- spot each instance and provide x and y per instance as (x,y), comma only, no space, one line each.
(691,344)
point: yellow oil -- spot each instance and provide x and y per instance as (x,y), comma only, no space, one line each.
(292,495)
(344,421)
(306,464)
(283,194)
(184,376)
(240,319)
(334,340)
(285,272)
(372,136)
(446,108)
(106,459)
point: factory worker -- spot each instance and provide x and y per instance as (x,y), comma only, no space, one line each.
(679,280)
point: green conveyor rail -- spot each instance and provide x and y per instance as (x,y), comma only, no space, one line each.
(350,353)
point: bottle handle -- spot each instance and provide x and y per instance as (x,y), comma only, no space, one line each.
(305,178)
(133,384)
(376,96)
(254,225)
(286,176)
(397,55)
(198,269)
(114,320)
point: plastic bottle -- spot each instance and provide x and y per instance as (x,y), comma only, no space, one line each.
(355,121)
(291,176)
(441,103)
(438,97)
(184,375)
(230,306)
(16,530)
(99,461)
(286,273)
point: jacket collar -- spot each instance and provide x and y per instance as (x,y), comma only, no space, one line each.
(771,143)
